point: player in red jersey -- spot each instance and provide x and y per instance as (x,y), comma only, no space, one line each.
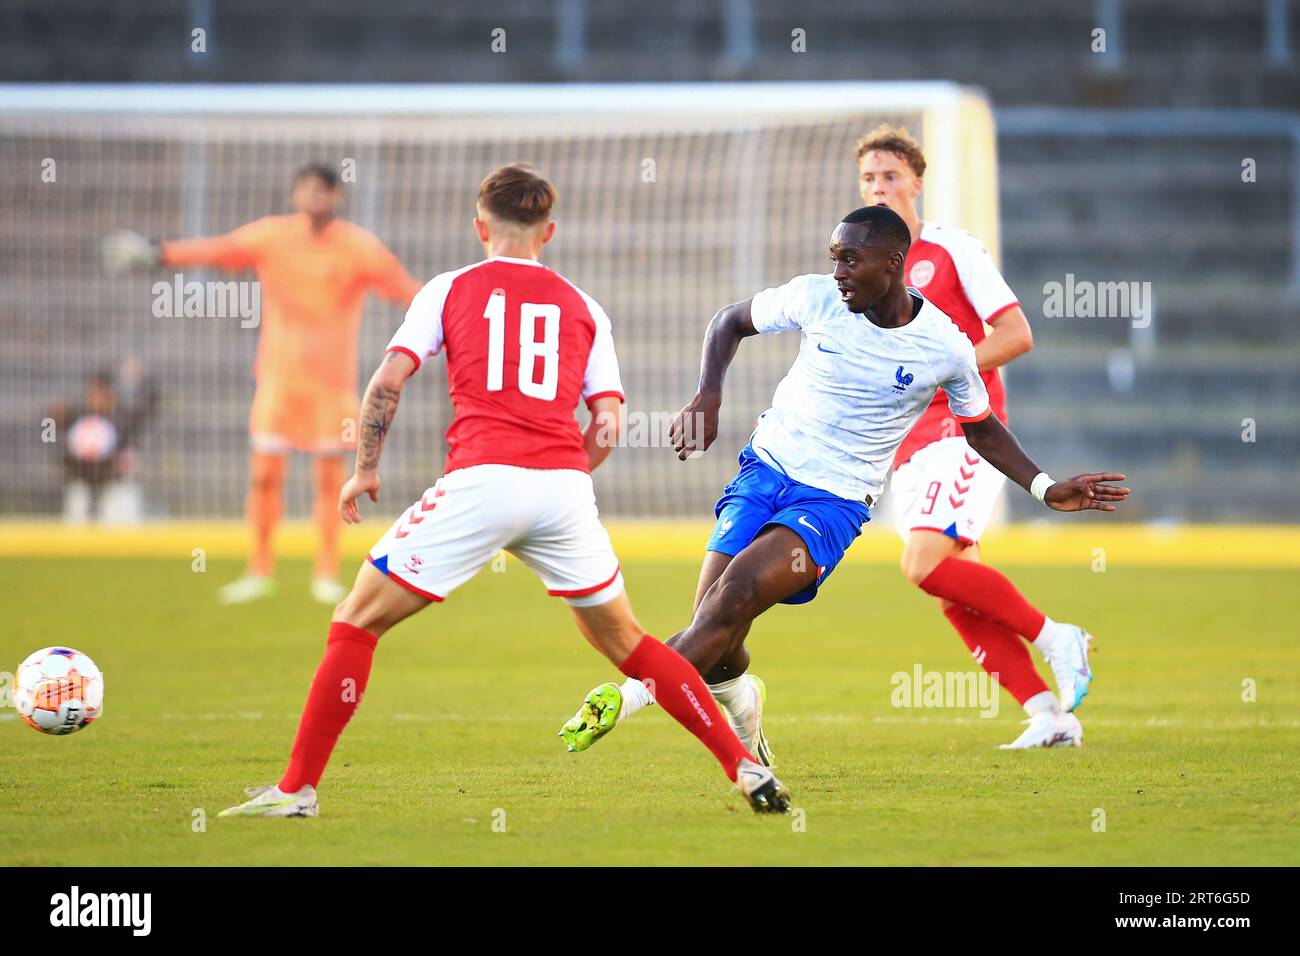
(524,346)
(943,491)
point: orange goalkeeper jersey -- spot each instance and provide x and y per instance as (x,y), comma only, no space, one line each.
(312,287)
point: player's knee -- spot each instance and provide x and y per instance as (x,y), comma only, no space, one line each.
(916,570)
(731,606)
(357,611)
(265,475)
(329,476)
(618,643)
(917,564)
(345,610)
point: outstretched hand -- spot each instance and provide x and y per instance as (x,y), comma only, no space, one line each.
(1084,492)
(695,426)
(361,483)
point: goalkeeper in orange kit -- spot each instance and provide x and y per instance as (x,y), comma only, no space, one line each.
(314,270)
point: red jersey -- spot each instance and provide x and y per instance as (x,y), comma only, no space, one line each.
(523,346)
(955,272)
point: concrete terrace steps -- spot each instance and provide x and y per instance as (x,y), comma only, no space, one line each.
(1175,52)
(1173,212)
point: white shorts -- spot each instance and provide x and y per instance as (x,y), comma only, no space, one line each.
(946,487)
(545,517)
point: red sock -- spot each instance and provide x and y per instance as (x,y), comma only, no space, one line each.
(335,693)
(998,651)
(678,688)
(983,589)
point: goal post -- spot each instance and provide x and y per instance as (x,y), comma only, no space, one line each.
(961,184)
(675,199)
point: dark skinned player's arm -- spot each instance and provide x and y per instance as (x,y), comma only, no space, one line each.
(696,426)
(991,439)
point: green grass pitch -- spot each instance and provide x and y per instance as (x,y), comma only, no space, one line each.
(453,758)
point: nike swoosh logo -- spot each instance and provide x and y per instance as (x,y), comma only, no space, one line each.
(828,351)
(804,521)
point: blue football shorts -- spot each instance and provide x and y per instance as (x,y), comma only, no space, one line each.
(761,495)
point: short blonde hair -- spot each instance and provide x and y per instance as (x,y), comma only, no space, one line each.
(893,139)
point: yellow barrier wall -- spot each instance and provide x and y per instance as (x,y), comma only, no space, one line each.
(1245,546)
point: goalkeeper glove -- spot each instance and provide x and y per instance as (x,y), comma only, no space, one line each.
(126,251)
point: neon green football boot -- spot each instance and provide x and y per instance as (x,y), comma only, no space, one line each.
(594,719)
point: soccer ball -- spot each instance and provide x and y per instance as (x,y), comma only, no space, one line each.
(58,690)
(92,438)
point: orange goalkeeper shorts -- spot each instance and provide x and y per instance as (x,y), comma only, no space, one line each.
(292,417)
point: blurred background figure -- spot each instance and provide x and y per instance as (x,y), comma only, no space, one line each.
(99,434)
(314,270)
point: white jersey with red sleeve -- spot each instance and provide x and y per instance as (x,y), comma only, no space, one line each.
(953,270)
(524,345)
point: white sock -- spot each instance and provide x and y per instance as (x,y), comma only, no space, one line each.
(1043,701)
(635,697)
(736,695)
(1049,638)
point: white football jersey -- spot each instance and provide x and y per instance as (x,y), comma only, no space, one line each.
(855,389)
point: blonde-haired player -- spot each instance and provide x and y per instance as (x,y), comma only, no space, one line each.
(315,270)
(944,491)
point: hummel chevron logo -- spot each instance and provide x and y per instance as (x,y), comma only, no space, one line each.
(411,518)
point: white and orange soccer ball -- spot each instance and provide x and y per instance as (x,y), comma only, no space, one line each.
(58,690)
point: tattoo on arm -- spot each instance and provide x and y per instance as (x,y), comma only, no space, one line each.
(377,411)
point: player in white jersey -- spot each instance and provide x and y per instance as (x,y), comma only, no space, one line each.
(944,493)
(524,346)
(873,352)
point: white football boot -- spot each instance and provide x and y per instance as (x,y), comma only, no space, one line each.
(1048,728)
(327,591)
(273,802)
(250,587)
(1069,664)
(760,787)
(752,735)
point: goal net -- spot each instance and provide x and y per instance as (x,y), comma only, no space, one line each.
(674,200)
